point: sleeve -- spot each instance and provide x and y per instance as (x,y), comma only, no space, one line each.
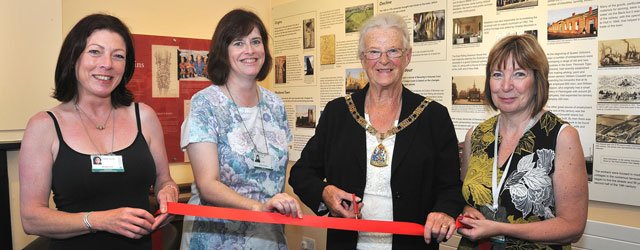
(308,173)
(199,126)
(447,183)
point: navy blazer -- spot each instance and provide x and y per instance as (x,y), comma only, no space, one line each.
(425,172)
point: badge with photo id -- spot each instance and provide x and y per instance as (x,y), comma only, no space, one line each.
(263,161)
(106,163)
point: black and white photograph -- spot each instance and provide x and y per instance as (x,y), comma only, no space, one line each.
(623,129)
(619,88)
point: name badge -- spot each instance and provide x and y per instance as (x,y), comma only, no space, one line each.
(106,163)
(263,161)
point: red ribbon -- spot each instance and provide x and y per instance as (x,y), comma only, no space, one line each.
(393,227)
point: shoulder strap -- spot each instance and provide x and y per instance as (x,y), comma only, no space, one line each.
(55,122)
(138,122)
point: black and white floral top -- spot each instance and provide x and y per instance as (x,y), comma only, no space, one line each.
(527,192)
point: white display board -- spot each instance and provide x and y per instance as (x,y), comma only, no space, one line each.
(592,48)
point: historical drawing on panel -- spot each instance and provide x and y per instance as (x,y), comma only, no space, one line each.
(305,116)
(163,78)
(467,30)
(281,69)
(576,22)
(328,49)
(468,90)
(428,26)
(619,53)
(623,129)
(513,4)
(355,79)
(619,88)
(355,16)
(308,34)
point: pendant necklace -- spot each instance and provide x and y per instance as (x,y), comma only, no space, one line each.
(98,126)
(264,135)
(113,129)
(380,156)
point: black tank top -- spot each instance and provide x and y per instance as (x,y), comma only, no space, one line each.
(77,189)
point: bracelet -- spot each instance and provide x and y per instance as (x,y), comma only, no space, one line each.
(85,219)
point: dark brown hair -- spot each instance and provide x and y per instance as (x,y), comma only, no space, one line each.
(66,88)
(237,23)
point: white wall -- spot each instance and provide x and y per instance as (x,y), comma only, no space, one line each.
(30,43)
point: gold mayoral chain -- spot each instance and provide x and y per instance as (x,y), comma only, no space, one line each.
(380,156)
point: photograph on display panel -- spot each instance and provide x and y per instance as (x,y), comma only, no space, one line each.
(467,30)
(164,79)
(308,32)
(192,65)
(619,88)
(355,16)
(355,79)
(305,116)
(569,23)
(308,65)
(468,90)
(428,26)
(623,129)
(328,49)
(514,4)
(280,64)
(619,53)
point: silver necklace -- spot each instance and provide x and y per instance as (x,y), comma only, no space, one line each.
(264,135)
(98,126)
(113,129)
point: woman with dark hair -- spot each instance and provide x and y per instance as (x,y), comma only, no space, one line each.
(99,206)
(525,179)
(236,135)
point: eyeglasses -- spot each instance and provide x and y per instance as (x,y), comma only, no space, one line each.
(375,54)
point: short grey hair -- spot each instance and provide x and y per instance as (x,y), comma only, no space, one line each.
(384,21)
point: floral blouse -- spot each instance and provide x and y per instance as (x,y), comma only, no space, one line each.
(217,119)
(527,192)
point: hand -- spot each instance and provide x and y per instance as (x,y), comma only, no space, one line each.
(284,204)
(168,193)
(333,197)
(471,212)
(439,226)
(130,222)
(478,228)
(161,221)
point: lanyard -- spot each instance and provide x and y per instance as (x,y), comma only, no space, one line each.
(264,134)
(496,186)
